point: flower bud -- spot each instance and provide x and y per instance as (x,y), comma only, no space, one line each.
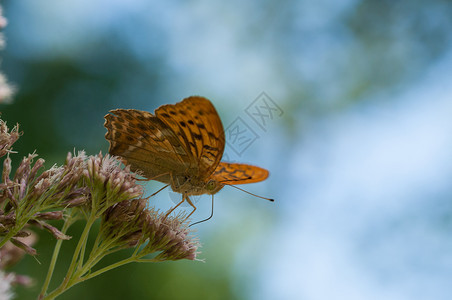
(50,215)
(28,249)
(6,169)
(53,230)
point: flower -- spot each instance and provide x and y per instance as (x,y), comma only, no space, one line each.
(5,286)
(34,199)
(123,223)
(170,235)
(10,254)
(130,224)
(7,138)
(57,187)
(109,183)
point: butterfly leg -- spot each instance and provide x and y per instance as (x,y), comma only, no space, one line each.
(192,205)
(172,209)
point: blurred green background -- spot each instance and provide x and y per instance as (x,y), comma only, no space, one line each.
(358,144)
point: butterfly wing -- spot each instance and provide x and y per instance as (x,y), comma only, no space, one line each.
(198,127)
(146,143)
(232,173)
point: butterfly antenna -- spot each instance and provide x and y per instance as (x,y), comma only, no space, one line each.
(211,215)
(159,191)
(269,199)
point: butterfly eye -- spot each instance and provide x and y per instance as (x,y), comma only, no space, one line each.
(211,185)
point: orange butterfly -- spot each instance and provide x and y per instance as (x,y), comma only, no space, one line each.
(181,145)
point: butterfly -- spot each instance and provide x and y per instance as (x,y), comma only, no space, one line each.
(180,145)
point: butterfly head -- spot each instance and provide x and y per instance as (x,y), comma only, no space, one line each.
(194,186)
(213,186)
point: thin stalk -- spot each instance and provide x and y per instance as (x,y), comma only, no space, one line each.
(58,291)
(56,251)
(81,244)
(93,260)
(70,279)
(110,267)
(75,280)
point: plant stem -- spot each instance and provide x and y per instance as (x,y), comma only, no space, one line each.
(93,259)
(76,279)
(56,251)
(70,280)
(81,244)
(110,267)
(148,260)
(58,291)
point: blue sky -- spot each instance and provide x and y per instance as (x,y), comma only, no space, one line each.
(369,218)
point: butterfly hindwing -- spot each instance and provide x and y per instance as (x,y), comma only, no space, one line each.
(234,173)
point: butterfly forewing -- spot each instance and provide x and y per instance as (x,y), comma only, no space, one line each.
(198,126)
(146,143)
(233,173)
